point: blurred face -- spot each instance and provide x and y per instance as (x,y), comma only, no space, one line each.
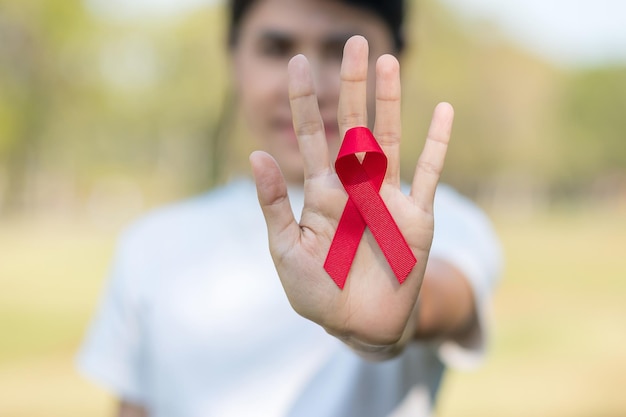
(273,31)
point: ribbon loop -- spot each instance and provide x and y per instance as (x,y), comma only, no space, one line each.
(365,207)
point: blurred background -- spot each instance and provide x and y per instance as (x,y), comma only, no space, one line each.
(111,108)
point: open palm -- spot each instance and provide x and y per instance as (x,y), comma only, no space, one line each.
(373,308)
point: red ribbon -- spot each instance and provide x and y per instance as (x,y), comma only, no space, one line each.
(362,182)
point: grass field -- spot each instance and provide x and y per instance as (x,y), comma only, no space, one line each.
(558,345)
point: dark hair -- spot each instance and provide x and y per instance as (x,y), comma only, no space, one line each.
(390,11)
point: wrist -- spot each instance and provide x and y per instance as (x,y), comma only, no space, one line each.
(381,352)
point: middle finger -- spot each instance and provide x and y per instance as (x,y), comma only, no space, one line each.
(352,109)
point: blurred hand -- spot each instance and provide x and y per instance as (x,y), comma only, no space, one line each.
(373,313)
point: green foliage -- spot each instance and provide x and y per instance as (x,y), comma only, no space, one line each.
(594,121)
(504,98)
(88,102)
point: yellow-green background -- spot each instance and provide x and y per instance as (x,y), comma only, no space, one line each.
(83,152)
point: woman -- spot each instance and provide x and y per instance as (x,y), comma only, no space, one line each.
(195,321)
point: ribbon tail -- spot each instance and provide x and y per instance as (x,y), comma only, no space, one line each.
(384,229)
(344,245)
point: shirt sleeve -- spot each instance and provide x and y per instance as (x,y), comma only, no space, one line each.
(111,352)
(465,238)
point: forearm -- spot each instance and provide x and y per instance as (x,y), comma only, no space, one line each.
(446,305)
(127,409)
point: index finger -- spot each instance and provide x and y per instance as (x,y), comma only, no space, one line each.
(307,120)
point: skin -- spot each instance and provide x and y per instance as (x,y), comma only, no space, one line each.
(319,97)
(128,409)
(271,33)
(373,314)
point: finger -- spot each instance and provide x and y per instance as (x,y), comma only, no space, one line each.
(352,109)
(307,121)
(387,128)
(430,163)
(272,193)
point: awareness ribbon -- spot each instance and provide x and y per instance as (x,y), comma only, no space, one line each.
(365,207)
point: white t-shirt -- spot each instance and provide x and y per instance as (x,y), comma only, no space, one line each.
(195,323)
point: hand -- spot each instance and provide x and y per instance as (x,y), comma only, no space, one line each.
(373,312)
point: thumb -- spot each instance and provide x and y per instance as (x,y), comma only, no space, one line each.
(283,230)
